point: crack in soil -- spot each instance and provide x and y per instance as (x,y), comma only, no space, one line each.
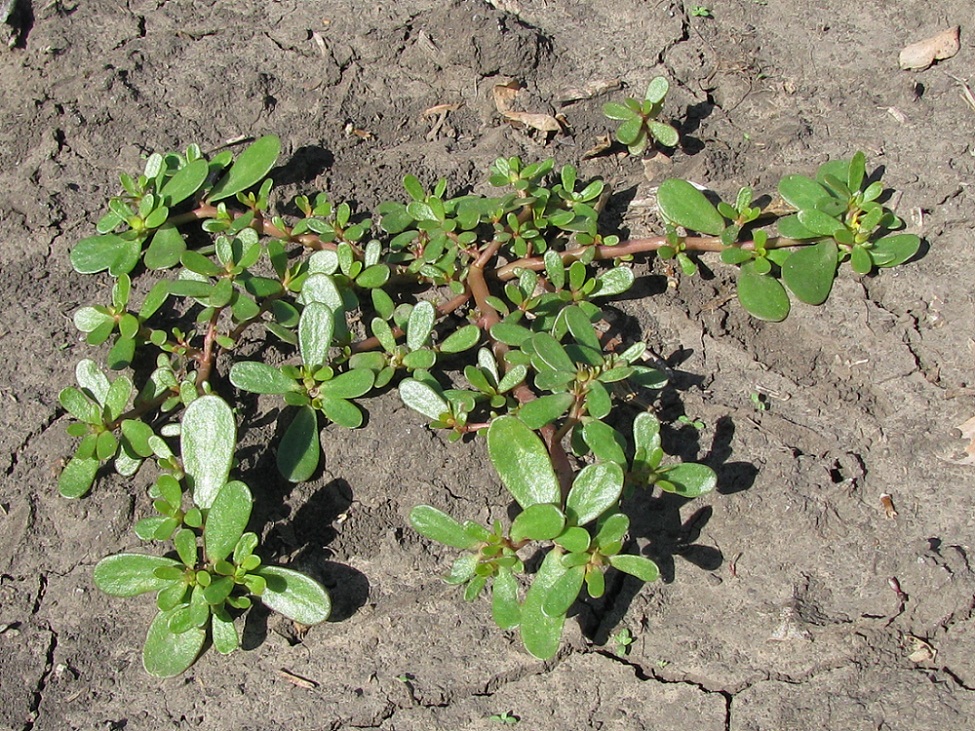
(37,694)
(15,454)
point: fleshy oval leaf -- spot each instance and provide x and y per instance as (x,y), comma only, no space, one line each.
(131,574)
(227,519)
(638,566)
(762,295)
(294,595)
(167,654)
(683,204)
(540,522)
(522,462)
(595,489)
(438,526)
(208,437)
(299,451)
(540,633)
(810,271)
(250,167)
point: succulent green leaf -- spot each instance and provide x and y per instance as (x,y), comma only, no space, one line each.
(612,529)
(630,130)
(552,353)
(92,380)
(683,204)
(574,539)
(638,566)
(614,282)
(420,325)
(761,295)
(504,600)
(790,227)
(809,272)
(460,340)
(342,412)
(510,333)
(186,548)
(79,406)
(598,401)
(690,479)
(117,397)
(185,182)
(87,319)
(350,384)
(224,633)
(541,633)
(136,436)
(462,570)
(259,377)
(131,574)
(595,489)
(227,519)
(295,595)
(664,133)
(77,476)
(563,592)
(421,397)
(522,462)
(801,192)
(860,260)
(249,169)
(108,251)
(299,451)
(167,654)
(438,526)
(540,522)
(657,89)
(208,438)
(617,111)
(315,329)
(605,442)
(895,249)
(545,409)
(821,224)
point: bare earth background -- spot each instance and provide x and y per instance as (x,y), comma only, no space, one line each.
(775,613)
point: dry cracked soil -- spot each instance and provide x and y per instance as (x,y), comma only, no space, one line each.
(777,610)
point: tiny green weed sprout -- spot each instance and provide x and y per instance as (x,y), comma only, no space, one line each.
(483,312)
(508,718)
(216,573)
(701,11)
(639,127)
(621,642)
(759,401)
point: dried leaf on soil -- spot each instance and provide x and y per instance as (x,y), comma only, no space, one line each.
(590,90)
(938,47)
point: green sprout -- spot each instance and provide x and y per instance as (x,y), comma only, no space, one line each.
(639,127)
(621,642)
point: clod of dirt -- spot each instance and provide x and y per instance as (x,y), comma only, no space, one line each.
(14,15)
(938,47)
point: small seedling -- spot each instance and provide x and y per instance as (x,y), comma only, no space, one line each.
(621,642)
(695,423)
(701,11)
(759,401)
(505,717)
(639,127)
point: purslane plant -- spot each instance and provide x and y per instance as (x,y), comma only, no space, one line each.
(215,572)
(483,311)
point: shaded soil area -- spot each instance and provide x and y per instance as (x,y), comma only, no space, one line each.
(777,609)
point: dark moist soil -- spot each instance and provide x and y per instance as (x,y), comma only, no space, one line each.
(777,609)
